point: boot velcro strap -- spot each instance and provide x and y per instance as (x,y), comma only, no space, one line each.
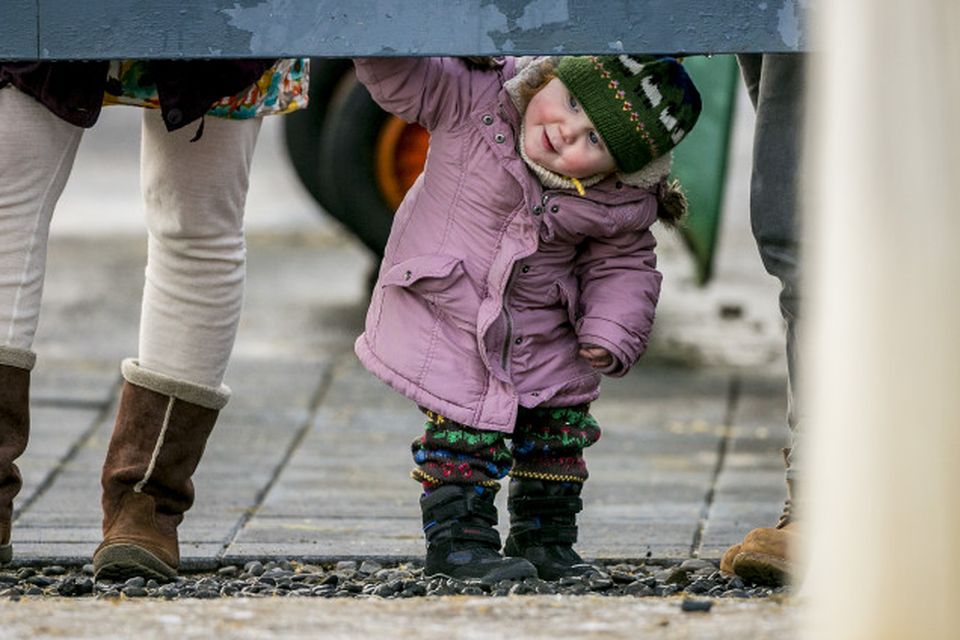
(463,506)
(544,536)
(463,532)
(545,506)
(558,535)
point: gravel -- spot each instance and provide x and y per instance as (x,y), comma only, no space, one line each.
(371,579)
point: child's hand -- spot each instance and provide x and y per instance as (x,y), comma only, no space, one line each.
(598,357)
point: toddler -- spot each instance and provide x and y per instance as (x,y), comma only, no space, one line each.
(519,268)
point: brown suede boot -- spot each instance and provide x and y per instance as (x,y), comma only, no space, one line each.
(160,433)
(765,556)
(15,366)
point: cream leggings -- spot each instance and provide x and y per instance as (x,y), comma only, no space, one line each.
(194,194)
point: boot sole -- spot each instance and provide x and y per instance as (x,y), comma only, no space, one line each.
(516,573)
(120,562)
(6,553)
(761,568)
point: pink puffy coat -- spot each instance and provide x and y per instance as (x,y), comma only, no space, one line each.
(490,281)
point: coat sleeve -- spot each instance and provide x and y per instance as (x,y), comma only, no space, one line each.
(433,92)
(619,289)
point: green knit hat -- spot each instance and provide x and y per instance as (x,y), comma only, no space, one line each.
(642,106)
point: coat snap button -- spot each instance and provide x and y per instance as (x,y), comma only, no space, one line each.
(407,275)
(537,210)
(524,268)
(499,138)
(619,185)
(555,208)
(487,119)
(518,341)
(174,116)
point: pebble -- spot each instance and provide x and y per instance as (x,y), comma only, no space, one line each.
(696,605)
(696,564)
(700,586)
(622,577)
(674,576)
(369,567)
(228,571)
(638,589)
(369,578)
(599,583)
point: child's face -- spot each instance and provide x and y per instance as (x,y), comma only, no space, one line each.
(559,136)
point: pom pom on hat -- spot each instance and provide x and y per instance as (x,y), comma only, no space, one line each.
(642,106)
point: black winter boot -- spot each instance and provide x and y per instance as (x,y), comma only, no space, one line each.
(543,527)
(458,521)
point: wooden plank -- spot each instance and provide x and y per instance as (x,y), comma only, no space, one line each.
(331,28)
(18,29)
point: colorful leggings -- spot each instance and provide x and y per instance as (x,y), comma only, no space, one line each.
(547,443)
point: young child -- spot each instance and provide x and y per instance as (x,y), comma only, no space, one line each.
(520,267)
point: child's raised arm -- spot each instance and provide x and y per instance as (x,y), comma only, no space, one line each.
(432,92)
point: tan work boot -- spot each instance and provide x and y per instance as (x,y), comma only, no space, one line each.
(161,430)
(15,366)
(765,556)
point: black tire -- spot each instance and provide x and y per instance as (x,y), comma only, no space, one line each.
(303,129)
(347,162)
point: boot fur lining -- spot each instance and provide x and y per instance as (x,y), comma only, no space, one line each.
(207,397)
(19,358)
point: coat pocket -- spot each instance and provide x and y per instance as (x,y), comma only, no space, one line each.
(440,280)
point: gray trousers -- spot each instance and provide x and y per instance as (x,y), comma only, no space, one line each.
(776,84)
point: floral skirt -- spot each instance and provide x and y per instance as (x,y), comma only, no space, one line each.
(281,89)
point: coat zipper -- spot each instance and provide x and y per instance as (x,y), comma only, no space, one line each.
(509,321)
(505,352)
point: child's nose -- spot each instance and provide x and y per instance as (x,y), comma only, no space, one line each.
(575,128)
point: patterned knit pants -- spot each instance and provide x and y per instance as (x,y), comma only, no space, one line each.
(547,443)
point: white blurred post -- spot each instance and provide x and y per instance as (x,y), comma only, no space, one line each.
(883,322)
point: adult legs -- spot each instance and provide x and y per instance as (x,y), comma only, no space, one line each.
(194,194)
(38,150)
(776,84)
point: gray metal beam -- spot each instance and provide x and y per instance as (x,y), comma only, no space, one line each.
(338,28)
(18,28)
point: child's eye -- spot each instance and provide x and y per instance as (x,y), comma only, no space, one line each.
(593,137)
(573,103)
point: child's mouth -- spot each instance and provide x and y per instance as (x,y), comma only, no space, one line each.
(546,143)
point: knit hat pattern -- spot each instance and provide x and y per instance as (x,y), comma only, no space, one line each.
(642,106)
